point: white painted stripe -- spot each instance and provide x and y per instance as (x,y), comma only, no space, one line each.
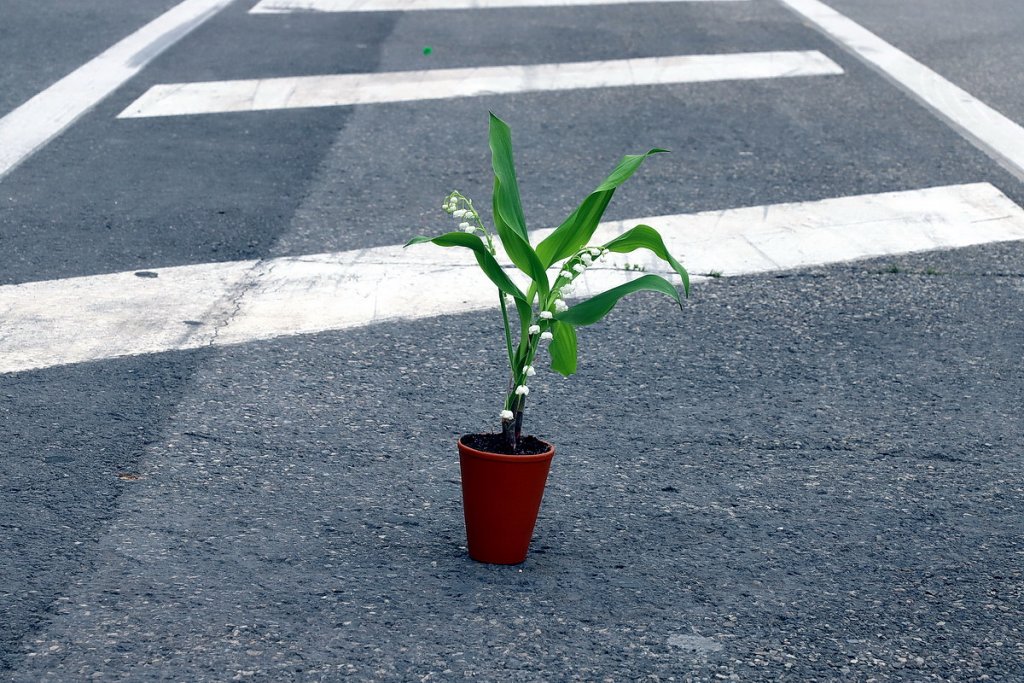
(986,128)
(282,6)
(348,89)
(29,127)
(79,319)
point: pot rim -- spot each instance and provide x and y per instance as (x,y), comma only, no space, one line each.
(502,457)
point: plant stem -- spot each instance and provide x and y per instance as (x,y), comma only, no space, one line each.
(509,434)
(512,429)
(519,421)
(508,332)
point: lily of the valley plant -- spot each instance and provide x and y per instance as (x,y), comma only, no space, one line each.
(542,310)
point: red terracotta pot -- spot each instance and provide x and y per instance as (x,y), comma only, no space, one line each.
(501,497)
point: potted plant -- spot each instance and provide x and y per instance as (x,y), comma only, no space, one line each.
(504,474)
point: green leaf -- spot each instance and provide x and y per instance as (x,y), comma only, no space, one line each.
(563,348)
(487,263)
(578,228)
(646,237)
(508,209)
(597,307)
(525,258)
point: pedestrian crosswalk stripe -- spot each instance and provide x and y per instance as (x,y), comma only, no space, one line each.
(995,134)
(79,319)
(349,89)
(33,124)
(282,6)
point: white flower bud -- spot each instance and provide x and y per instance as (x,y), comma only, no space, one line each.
(534,329)
(522,390)
(507,415)
(545,315)
(587,259)
(579,267)
(529,371)
(547,336)
(560,306)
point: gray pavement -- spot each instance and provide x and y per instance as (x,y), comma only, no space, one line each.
(814,476)
(44,40)
(978,46)
(830,494)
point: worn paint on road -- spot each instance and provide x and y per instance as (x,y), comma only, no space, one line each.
(285,6)
(986,128)
(80,319)
(32,125)
(178,99)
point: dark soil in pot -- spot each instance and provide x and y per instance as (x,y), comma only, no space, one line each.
(495,443)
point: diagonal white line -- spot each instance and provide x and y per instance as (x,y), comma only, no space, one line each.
(349,89)
(104,316)
(986,128)
(29,127)
(283,6)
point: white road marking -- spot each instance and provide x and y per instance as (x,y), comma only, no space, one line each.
(42,118)
(986,128)
(104,316)
(283,6)
(348,89)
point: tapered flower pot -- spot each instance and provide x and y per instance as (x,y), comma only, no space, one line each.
(501,497)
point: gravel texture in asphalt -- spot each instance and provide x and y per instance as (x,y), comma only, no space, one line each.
(74,32)
(808,476)
(972,49)
(820,480)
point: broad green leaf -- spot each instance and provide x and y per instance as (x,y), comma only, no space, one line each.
(563,348)
(488,264)
(593,309)
(508,212)
(646,237)
(577,229)
(507,205)
(525,259)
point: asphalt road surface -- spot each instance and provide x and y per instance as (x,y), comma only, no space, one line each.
(810,473)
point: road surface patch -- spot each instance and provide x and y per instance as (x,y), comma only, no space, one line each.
(286,6)
(262,94)
(983,126)
(32,125)
(72,320)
